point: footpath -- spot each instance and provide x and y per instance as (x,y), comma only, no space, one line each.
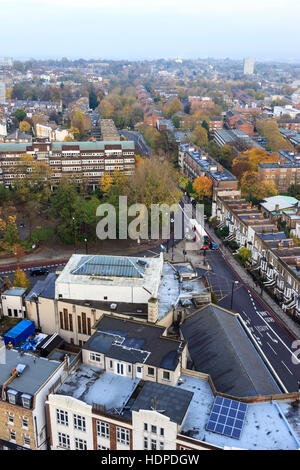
(61,253)
(263,296)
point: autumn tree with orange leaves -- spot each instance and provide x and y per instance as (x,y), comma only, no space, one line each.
(202,187)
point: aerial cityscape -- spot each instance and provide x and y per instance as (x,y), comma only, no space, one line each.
(149,232)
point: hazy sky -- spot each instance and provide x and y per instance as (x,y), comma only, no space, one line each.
(137,29)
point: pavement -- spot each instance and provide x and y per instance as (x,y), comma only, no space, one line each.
(289,324)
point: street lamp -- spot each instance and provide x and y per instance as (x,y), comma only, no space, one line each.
(86,246)
(233,283)
(74,233)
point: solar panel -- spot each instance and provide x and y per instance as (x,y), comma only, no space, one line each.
(227,417)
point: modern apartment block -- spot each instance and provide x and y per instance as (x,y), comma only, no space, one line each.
(2,92)
(82,160)
(248,66)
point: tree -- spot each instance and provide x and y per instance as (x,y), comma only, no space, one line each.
(20,279)
(199,136)
(227,156)
(8,93)
(206,127)
(93,101)
(202,186)
(106,182)
(155,182)
(78,122)
(20,114)
(240,166)
(11,235)
(172,107)
(244,253)
(176,121)
(24,126)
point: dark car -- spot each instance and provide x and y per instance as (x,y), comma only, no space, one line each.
(38,271)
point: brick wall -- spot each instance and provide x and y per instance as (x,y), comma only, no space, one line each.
(18,412)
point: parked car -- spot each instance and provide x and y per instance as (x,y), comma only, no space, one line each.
(213,246)
(38,271)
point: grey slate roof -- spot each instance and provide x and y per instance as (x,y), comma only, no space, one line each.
(219,346)
(134,342)
(45,288)
(170,401)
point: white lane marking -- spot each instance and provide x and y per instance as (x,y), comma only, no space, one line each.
(272,348)
(150,251)
(292,354)
(287,368)
(272,339)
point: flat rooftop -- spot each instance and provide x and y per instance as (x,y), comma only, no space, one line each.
(93,385)
(264,428)
(171,291)
(112,271)
(35,374)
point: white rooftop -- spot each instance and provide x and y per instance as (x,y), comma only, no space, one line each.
(93,385)
(108,271)
(264,427)
(284,202)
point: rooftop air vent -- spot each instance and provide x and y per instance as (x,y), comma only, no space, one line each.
(113,306)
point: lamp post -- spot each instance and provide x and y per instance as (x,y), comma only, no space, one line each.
(233,284)
(74,233)
(86,246)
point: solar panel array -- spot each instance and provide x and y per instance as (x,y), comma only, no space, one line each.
(227,417)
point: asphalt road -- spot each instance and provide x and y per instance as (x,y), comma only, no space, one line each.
(139,141)
(272,338)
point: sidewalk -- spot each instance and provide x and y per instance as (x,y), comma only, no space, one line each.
(283,319)
(193,257)
(59,252)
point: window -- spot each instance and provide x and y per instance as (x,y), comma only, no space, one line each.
(10,418)
(80,444)
(110,364)
(9,312)
(154,429)
(79,324)
(162,432)
(145,427)
(123,436)
(15,312)
(166,375)
(95,357)
(62,417)
(24,423)
(120,369)
(66,318)
(151,371)
(26,402)
(161,446)
(145,443)
(12,436)
(61,320)
(89,326)
(64,440)
(100,447)
(79,422)
(26,441)
(70,322)
(11,398)
(102,429)
(153,444)
(83,316)
(129,369)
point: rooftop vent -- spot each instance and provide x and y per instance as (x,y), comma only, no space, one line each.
(113,306)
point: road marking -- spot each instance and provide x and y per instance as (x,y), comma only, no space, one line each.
(287,368)
(272,348)
(273,339)
(150,251)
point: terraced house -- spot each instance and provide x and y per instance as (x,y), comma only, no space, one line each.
(273,255)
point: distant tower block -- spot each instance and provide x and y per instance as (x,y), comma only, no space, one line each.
(248,66)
